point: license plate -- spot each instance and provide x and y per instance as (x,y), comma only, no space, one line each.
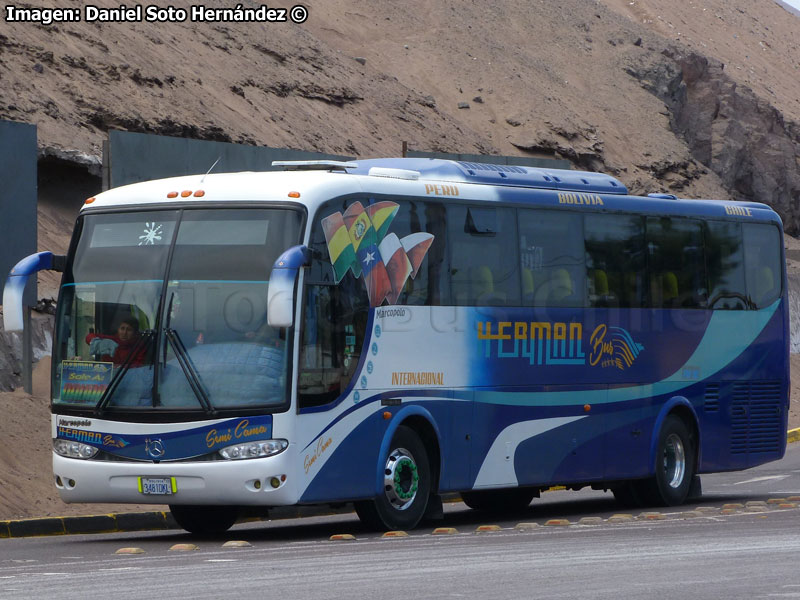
(160,487)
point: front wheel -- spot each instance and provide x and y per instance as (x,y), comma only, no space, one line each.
(204,519)
(676,456)
(406,485)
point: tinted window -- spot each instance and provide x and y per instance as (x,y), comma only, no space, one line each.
(336,305)
(483,256)
(551,258)
(725,266)
(762,263)
(676,267)
(420,229)
(615,260)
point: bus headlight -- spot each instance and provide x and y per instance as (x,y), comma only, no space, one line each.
(253,449)
(74,449)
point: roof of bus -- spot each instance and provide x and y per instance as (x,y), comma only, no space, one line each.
(310,183)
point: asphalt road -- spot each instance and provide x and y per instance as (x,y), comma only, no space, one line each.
(751,553)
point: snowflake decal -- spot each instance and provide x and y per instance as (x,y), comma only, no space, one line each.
(152,234)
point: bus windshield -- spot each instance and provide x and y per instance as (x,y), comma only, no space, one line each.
(167,310)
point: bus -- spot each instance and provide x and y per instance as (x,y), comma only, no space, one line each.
(384,332)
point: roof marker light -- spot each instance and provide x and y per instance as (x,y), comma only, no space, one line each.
(294,194)
(199,194)
(186,193)
(172,195)
(90,200)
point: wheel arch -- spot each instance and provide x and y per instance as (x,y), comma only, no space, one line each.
(683,409)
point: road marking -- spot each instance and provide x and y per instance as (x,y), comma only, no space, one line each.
(761,479)
(221,560)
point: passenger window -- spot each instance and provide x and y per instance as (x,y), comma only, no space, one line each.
(551,258)
(420,229)
(725,266)
(336,306)
(615,256)
(484,268)
(676,266)
(762,263)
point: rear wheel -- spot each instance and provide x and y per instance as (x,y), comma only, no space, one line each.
(499,500)
(406,485)
(204,519)
(676,456)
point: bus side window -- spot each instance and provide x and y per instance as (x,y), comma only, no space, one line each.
(334,323)
(551,257)
(483,256)
(676,265)
(725,265)
(615,246)
(762,256)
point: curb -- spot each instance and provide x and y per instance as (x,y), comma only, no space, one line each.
(155,521)
(141,521)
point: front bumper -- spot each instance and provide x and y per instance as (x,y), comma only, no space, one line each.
(235,482)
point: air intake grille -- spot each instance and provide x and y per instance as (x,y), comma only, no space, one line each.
(756,417)
(490,167)
(711,399)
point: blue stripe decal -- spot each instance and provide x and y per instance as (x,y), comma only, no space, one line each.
(725,338)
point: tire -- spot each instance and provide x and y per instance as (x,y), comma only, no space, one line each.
(204,519)
(406,486)
(499,500)
(627,495)
(676,457)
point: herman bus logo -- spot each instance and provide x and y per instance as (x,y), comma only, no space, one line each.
(558,343)
(78,435)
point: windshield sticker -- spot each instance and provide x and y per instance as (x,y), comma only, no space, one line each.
(83,382)
(359,241)
(152,234)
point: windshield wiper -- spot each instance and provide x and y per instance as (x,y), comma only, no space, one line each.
(190,371)
(146,336)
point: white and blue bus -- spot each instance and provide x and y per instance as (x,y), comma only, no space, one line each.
(386,331)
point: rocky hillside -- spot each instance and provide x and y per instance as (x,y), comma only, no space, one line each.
(700,98)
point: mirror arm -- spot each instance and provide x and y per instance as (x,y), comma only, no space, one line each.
(18,278)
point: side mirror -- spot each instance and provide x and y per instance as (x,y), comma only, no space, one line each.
(280,297)
(18,278)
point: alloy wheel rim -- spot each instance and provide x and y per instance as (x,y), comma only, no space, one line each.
(401,479)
